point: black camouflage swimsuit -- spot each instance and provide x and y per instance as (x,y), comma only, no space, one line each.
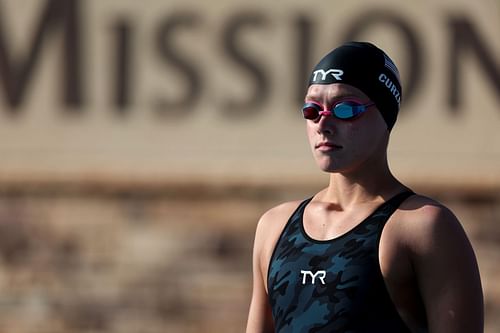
(332,286)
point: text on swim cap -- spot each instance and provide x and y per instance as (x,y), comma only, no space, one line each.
(391,86)
(336,73)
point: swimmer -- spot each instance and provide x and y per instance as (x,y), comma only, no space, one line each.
(365,254)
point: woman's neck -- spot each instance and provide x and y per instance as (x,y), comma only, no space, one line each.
(346,189)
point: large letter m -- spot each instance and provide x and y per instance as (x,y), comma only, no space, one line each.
(16,72)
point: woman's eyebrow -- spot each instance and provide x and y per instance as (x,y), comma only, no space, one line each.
(309,97)
(337,97)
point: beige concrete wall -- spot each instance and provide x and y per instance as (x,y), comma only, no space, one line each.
(168,90)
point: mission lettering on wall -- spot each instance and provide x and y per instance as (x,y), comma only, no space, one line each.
(120,89)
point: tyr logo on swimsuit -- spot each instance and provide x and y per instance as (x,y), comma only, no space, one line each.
(320,274)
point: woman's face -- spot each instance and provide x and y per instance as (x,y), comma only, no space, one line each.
(345,145)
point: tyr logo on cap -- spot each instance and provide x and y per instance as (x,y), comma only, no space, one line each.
(336,73)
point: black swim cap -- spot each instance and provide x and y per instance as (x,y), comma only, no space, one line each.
(368,68)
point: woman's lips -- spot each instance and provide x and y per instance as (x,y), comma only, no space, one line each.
(327,146)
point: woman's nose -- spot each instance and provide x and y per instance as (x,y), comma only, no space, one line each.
(326,123)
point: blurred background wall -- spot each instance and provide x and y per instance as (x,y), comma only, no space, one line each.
(142,140)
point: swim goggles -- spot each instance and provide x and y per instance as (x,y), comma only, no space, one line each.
(344,110)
